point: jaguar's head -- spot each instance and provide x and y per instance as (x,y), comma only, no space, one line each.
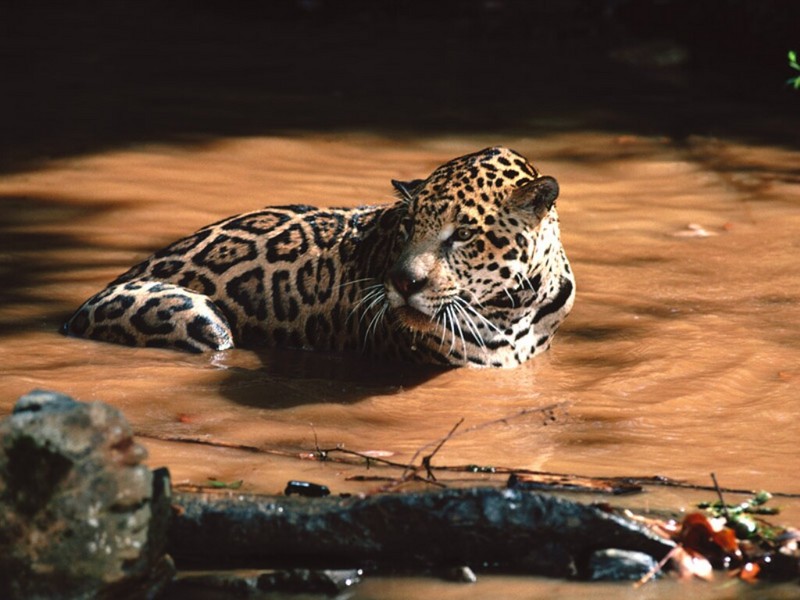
(478,239)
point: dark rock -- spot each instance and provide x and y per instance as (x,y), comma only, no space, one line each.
(223,584)
(308,581)
(307,489)
(256,584)
(80,516)
(620,565)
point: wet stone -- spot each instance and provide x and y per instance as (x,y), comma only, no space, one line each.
(307,489)
(620,565)
(233,584)
(308,581)
(80,516)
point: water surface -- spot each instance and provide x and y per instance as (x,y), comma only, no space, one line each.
(681,356)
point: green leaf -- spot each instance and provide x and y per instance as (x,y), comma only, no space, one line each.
(761,497)
(793,60)
(233,485)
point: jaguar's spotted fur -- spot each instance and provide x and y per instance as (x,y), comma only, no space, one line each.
(467,268)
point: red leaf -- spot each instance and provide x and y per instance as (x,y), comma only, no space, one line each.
(699,535)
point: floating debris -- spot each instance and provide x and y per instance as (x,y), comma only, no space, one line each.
(694,230)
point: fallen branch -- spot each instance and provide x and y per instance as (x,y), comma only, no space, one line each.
(345,456)
(509,529)
(426,460)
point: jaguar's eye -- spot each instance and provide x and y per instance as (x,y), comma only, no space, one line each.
(462,234)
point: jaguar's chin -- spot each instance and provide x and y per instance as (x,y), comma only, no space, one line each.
(414,319)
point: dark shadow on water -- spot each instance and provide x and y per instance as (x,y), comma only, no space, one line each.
(598,334)
(83,78)
(290,378)
(40,256)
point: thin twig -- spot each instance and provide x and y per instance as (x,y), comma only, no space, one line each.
(723,506)
(502,420)
(426,460)
(185,439)
(659,480)
(330,455)
(656,568)
(368,459)
(322,454)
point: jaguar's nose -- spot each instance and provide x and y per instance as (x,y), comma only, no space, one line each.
(405,283)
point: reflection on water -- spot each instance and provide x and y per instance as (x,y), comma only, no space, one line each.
(681,357)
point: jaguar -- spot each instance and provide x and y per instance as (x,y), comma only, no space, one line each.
(465,268)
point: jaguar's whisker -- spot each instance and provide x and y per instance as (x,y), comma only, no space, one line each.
(440,325)
(373,324)
(460,330)
(378,300)
(355,281)
(374,294)
(449,311)
(524,281)
(510,297)
(475,330)
(356,307)
(472,326)
(483,319)
(439,322)
(366,294)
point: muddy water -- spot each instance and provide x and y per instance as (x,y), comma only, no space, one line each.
(681,357)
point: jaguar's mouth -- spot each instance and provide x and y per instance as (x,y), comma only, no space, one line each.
(414,319)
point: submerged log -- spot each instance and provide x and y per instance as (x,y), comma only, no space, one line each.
(483,527)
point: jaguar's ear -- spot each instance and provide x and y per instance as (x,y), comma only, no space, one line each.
(407,189)
(538,195)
